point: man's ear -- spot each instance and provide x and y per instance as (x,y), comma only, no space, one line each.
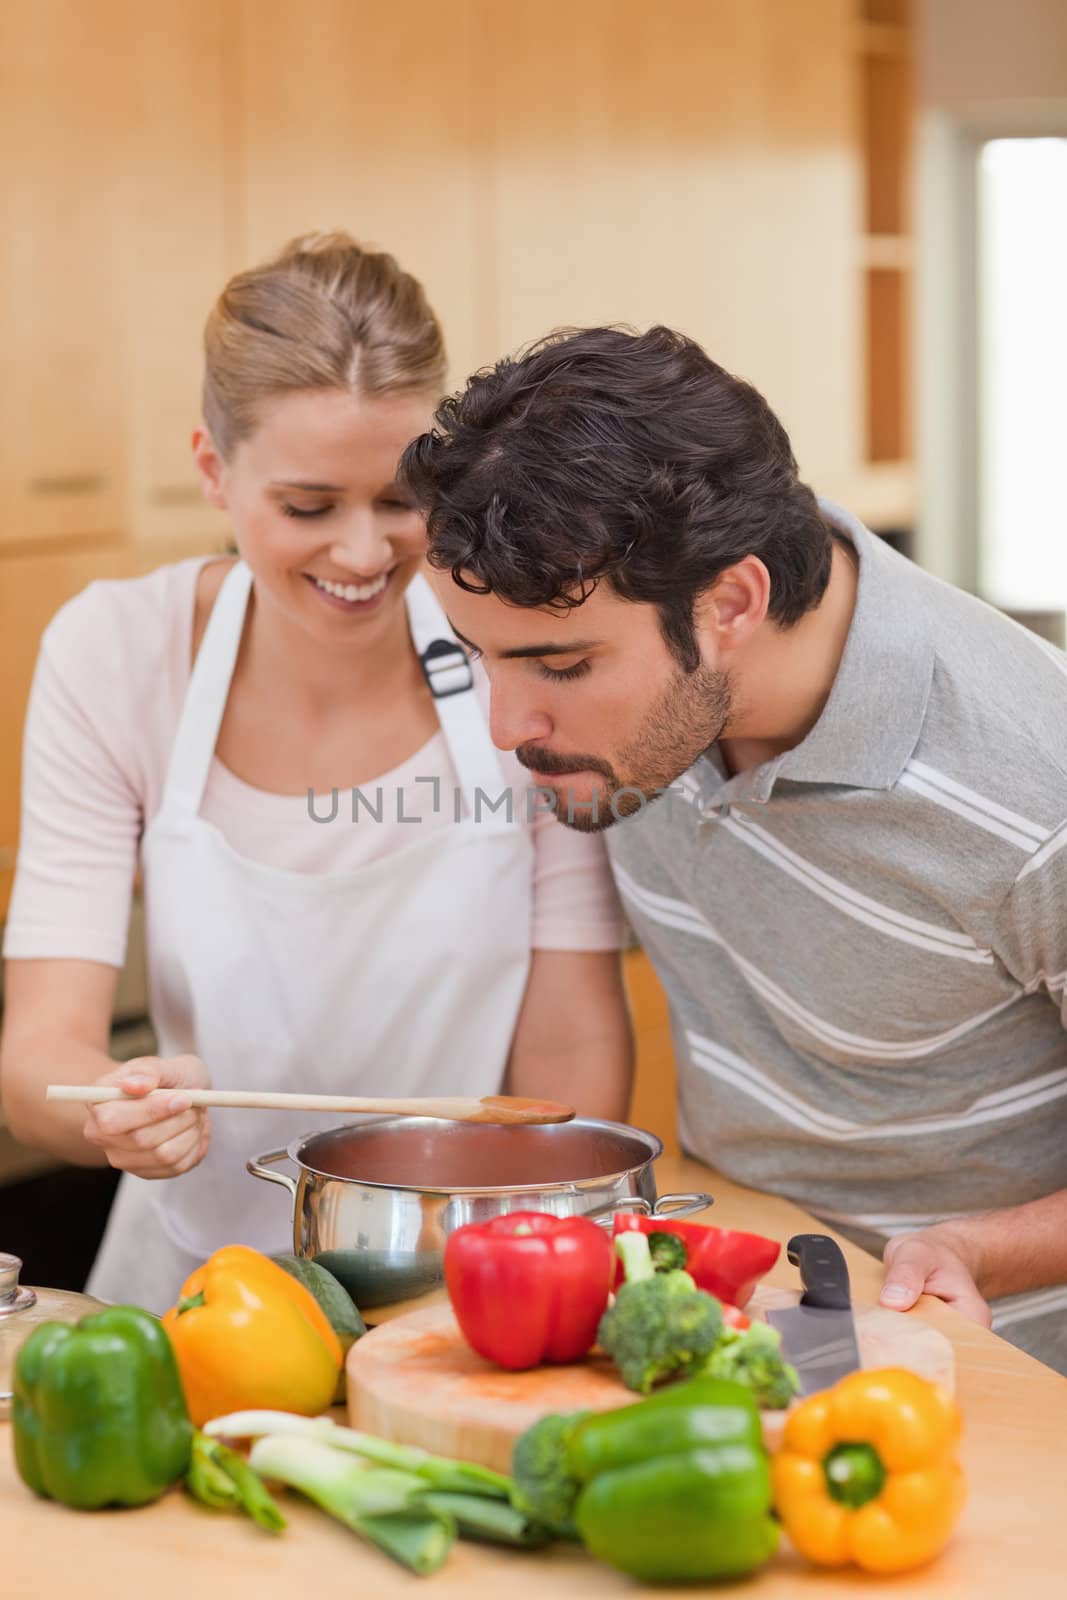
(210,469)
(729,612)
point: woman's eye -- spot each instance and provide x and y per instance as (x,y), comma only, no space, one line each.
(561,674)
(303,511)
(396,505)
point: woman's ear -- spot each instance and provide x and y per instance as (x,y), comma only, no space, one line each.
(210,469)
(729,612)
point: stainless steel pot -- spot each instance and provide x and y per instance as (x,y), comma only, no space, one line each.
(374,1202)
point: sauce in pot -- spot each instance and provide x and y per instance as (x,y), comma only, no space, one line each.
(455,1155)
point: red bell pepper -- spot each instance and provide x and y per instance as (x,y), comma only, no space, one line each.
(528,1287)
(726,1263)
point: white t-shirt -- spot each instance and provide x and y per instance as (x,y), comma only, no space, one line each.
(107,693)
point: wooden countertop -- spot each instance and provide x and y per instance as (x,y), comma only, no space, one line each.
(1012,1539)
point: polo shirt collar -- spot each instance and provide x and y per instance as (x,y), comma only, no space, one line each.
(872,719)
(871,722)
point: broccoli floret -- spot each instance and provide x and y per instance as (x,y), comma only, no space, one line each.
(542,1487)
(668,1252)
(753,1356)
(635,1254)
(659,1327)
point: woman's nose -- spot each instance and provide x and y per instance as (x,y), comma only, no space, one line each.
(362,546)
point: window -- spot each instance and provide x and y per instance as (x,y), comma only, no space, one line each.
(1022,373)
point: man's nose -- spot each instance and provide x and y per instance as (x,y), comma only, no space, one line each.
(514,718)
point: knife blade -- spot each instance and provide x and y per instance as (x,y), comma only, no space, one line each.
(819,1334)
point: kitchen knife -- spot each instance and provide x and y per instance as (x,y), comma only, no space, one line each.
(818,1335)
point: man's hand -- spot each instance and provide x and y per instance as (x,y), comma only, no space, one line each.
(933,1261)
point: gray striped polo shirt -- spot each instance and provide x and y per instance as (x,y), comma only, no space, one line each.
(864,940)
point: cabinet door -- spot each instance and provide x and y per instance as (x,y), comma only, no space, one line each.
(368,118)
(693,163)
(61,448)
(112,128)
(173,259)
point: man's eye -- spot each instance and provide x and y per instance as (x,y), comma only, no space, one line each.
(560,674)
(302,511)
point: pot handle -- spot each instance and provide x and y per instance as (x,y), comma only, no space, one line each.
(258,1168)
(668,1205)
(681,1205)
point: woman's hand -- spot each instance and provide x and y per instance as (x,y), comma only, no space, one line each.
(157,1138)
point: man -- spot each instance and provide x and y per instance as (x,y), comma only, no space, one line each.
(836,796)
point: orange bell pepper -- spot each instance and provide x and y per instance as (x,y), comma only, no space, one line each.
(867,1472)
(250,1337)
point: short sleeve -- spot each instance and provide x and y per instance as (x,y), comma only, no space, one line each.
(81,814)
(575,902)
(1031,923)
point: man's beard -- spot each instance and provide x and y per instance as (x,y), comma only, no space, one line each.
(688,717)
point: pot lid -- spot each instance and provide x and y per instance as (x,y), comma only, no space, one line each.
(22,1310)
(13,1295)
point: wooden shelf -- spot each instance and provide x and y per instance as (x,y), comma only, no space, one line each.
(889,252)
(889,13)
(888,375)
(885,39)
(885,250)
(885,93)
(883,495)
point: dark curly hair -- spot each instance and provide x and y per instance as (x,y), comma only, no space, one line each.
(601,453)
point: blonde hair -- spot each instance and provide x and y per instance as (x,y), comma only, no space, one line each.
(323,314)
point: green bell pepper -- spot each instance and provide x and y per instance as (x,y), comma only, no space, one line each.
(99,1415)
(676,1488)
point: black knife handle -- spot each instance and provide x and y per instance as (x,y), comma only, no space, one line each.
(823,1271)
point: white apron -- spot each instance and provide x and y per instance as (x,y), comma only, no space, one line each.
(402,977)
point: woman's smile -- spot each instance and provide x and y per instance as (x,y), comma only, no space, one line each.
(349,596)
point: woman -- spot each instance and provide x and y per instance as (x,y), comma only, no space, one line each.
(290,747)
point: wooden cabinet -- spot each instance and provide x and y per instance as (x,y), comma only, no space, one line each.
(62,455)
(882,54)
(114,245)
(177,244)
(111,124)
(371,118)
(715,164)
(691,163)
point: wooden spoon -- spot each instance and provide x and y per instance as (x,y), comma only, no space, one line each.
(496,1108)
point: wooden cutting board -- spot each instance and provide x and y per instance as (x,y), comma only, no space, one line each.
(415,1380)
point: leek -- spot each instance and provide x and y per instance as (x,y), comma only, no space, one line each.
(492,1521)
(450,1477)
(220,1478)
(382,1505)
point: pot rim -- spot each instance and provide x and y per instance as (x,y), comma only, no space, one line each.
(558,1186)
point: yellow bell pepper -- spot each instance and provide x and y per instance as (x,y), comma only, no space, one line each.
(867,1472)
(250,1337)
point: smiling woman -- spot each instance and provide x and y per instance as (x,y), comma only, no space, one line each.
(186,722)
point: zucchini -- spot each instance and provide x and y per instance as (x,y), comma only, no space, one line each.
(334,1299)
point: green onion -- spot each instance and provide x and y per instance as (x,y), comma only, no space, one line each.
(455,1477)
(381,1505)
(220,1478)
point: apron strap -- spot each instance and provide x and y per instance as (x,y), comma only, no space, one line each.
(448,672)
(206,696)
(447,669)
